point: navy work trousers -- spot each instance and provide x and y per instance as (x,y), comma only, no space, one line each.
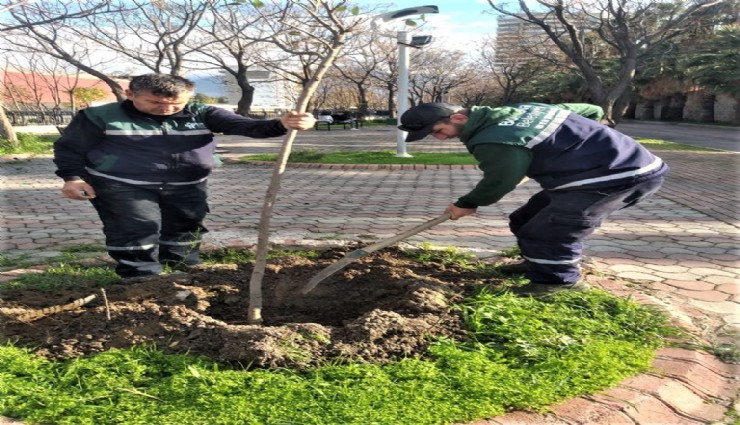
(551,226)
(147,226)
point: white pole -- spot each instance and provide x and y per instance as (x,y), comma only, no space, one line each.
(403,90)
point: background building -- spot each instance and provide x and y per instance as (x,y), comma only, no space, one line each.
(32,90)
(518,40)
(270,91)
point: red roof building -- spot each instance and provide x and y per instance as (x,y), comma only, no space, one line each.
(28,90)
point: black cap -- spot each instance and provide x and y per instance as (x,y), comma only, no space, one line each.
(420,119)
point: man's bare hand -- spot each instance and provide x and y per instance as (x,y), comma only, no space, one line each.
(298,121)
(457,212)
(78,190)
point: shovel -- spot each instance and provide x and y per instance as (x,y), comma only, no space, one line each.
(354,255)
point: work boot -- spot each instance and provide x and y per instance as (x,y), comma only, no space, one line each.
(513,269)
(148,277)
(537,290)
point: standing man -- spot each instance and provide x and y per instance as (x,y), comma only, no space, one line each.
(143,164)
(586,170)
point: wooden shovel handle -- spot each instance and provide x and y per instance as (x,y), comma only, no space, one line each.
(359,253)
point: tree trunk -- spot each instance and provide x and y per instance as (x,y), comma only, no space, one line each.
(245,101)
(247,91)
(391,103)
(631,111)
(622,107)
(6,129)
(362,101)
(254,313)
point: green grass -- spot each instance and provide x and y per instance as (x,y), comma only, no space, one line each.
(375,157)
(389,157)
(68,253)
(43,144)
(521,353)
(10,261)
(29,144)
(448,256)
(241,256)
(662,145)
(64,275)
(65,271)
(83,249)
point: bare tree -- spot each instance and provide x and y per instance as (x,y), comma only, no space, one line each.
(335,92)
(630,29)
(227,39)
(435,73)
(315,33)
(510,71)
(60,39)
(69,10)
(10,90)
(153,34)
(386,73)
(66,12)
(361,59)
(30,86)
(45,75)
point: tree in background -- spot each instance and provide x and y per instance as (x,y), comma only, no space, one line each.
(82,97)
(204,98)
(385,74)
(435,73)
(335,93)
(715,63)
(228,39)
(19,12)
(152,34)
(361,59)
(629,29)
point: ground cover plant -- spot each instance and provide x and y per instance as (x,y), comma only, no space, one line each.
(374,157)
(43,144)
(404,337)
(28,144)
(429,158)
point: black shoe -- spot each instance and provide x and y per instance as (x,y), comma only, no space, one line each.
(513,269)
(543,289)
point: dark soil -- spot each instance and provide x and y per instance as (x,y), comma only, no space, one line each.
(380,308)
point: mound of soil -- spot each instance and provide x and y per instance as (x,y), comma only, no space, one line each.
(379,308)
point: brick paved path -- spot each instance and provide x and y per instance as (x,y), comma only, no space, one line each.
(678,250)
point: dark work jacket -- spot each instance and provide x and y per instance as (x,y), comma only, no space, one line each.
(119,142)
(568,150)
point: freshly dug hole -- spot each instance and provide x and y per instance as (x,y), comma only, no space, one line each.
(380,308)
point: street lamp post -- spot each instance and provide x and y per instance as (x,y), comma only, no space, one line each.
(403,90)
(404,42)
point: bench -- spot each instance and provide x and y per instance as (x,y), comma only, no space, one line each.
(339,119)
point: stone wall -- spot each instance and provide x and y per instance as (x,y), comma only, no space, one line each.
(696,106)
(727,109)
